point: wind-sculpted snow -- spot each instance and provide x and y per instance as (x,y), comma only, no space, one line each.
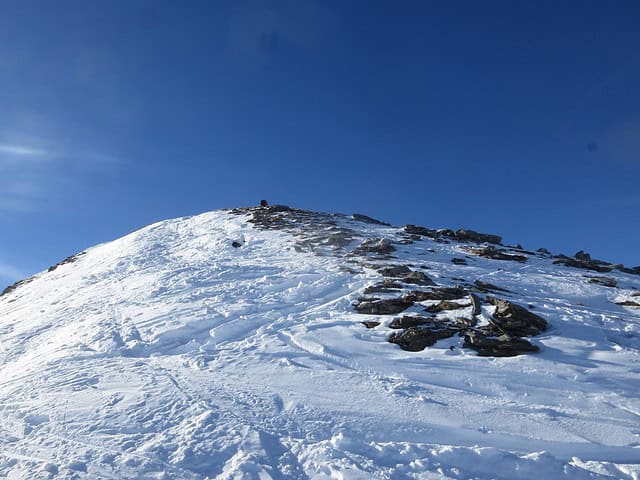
(172,354)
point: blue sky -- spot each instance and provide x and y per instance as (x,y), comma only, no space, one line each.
(516,118)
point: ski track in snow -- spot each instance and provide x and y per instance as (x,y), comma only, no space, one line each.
(169,354)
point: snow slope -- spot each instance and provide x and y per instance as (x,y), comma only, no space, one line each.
(170,354)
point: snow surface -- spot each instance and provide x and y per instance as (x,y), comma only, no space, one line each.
(169,354)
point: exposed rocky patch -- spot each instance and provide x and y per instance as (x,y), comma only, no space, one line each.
(496,254)
(460,235)
(19,283)
(584,261)
(445,305)
(604,281)
(366,219)
(380,246)
(436,293)
(409,321)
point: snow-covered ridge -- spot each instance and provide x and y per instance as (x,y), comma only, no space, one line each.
(170,353)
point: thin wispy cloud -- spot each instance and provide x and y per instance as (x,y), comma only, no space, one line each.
(30,172)
(22,151)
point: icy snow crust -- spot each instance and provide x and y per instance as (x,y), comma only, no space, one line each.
(169,354)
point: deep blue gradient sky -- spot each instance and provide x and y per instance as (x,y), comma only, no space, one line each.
(516,118)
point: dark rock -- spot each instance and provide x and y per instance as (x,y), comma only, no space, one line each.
(408,321)
(441,293)
(635,294)
(15,285)
(584,256)
(501,346)
(445,305)
(422,231)
(586,265)
(381,246)
(543,250)
(489,287)
(66,261)
(604,281)
(472,236)
(370,324)
(383,307)
(415,339)
(497,254)
(628,303)
(367,219)
(418,278)
(477,306)
(463,323)
(395,271)
(236,244)
(388,286)
(513,319)
(458,261)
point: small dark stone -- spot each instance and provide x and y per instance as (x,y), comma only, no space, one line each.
(236,244)
(458,261)
(543,250)
(370,324)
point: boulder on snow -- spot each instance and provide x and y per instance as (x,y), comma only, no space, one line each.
(500,346)
(459,261)
(415,339)
(383,307)
(408,321)
(515,320)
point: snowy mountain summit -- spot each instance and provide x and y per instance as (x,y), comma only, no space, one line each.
(277,343)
